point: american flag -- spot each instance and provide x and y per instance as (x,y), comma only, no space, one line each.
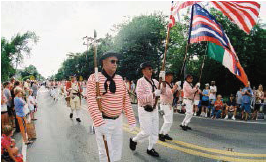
(176,7)
(243,13)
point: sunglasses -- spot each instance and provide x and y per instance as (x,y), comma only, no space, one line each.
(114,61)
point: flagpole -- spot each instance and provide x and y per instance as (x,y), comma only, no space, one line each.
(164,59)
(163,65)
(203,63)
(184,60)
(188,43)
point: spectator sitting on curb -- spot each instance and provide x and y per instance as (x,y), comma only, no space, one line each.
(231,107)
(217,109)
(8,150)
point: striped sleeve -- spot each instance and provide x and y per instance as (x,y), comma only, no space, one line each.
(128,108)
(92,103)
(143,95)
(166,91)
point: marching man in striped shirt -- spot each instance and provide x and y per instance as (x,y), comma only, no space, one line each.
(166,99)
(114,101)
(148,116)
(188,99)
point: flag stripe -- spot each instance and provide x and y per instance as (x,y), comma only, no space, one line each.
(204,27)
(244,14)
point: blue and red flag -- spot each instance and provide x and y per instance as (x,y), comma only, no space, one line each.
(204,27)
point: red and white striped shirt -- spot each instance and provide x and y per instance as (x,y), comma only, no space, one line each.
(188,90)
(112,103)
(167,96)
(144,92)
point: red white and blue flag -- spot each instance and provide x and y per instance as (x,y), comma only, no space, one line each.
(243,13)
(204,27)
(175,10)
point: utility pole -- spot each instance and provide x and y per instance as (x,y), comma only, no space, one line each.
(87,43)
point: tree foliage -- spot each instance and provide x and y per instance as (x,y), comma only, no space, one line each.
(14,51)
(142,38)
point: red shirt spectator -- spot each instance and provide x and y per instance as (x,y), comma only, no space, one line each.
(218,105)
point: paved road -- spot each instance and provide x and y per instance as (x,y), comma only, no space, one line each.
(60,138)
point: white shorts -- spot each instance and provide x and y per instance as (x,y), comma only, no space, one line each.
(196,102)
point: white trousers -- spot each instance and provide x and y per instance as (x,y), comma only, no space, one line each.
(168,118)
(189,112)
(113,131)
(149,125)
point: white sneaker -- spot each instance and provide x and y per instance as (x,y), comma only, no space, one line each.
(233,118)
(194,114)
(226,117)
(206,115)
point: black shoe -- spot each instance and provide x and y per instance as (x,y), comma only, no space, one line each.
(78,119)
(132,144)
(152,152)
(168,137)
(71,115)
(188,128)
(183,127)
(162,137)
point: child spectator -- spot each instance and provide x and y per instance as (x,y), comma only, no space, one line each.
(205,101)
(31,102)
(231,107)
(218,106)
(196,101)
(8,150)
(239,102)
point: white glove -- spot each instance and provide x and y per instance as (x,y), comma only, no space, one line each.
(162,75)
(157,93)
(101,129)
(178,83)
(198,84)
(132,127)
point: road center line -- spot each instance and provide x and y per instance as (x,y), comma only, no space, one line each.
(197,153)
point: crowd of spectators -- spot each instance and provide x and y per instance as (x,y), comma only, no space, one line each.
(245,105)
(18,105)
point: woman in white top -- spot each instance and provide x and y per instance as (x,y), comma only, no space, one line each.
(4,113)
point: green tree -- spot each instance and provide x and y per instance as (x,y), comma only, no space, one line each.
(140,40)
(14,51)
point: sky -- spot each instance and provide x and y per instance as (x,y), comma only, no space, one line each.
(61,25)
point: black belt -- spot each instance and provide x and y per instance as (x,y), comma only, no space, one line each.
(113,118)
(76,94)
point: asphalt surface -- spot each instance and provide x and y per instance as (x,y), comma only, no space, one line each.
(61,139)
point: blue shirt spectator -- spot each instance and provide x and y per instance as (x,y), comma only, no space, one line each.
(205,92)
(19,105)
(246,98)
